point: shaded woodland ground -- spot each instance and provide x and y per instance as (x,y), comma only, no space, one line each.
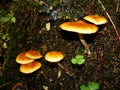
(29,32)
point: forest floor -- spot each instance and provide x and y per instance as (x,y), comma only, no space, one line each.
(102,66)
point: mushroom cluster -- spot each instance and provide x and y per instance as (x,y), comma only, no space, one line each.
(28,62)
(82,27)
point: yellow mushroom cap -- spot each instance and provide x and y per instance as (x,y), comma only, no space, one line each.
(96,19)
(54,56)
(79,27)
(33,54)
(30,67)
(22,59)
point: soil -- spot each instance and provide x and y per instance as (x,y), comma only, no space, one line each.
(29,32)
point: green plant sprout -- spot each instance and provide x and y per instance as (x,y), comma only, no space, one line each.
(6,23)
(90,86)
(7,17)
(78,59)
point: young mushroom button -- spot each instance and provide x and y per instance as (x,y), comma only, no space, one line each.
(81,28)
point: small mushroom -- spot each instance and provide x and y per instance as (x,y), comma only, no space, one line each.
(33,54)
(22,59)
(81,28)
(30,67)
(54,56)
(96,19)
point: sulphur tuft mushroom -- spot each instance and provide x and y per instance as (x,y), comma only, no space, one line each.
(81,28)
(96,19)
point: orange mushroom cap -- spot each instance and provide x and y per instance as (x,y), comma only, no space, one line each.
(96,19)
(54,56)
(79,27)
(33,54)
(30,67)
(22,59)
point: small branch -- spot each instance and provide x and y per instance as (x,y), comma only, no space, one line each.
(67,72)
(117,7)
(5,84)
(115,29)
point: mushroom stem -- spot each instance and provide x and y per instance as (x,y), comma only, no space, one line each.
(81,37)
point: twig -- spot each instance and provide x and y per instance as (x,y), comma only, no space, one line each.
(5,84)
(117,7)
(67,72)
(115,29)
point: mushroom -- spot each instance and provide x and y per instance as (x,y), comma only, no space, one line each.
(27,61)
(96,19)
(22,59)
(81,28)
(30,67)
(54,56)
(34,54)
